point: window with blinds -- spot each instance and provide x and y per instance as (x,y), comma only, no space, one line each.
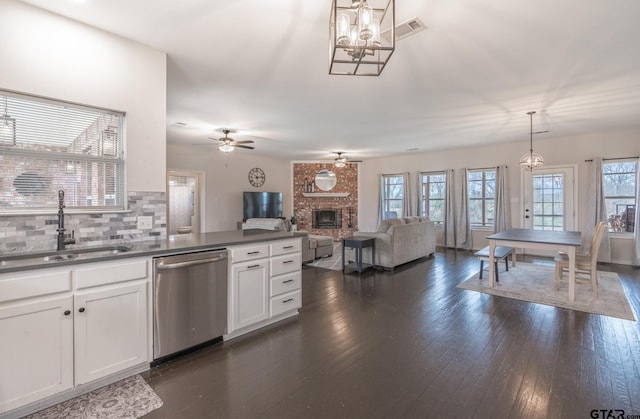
(47,146)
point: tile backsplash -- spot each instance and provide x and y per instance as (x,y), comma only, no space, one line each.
(25,233)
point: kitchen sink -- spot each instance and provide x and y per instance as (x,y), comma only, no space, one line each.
(57,258)
(64,255)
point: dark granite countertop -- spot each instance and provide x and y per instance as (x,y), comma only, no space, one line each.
(13,262)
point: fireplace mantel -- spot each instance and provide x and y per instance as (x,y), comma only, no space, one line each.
(325,194)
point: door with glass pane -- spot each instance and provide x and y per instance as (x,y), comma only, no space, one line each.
(549,199)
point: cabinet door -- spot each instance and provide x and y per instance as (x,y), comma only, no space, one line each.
(110,330)
(250,289)
(36,353)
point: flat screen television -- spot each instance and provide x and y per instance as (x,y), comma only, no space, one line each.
(262,205)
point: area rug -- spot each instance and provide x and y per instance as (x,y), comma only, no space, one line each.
(534,283)
(333,262)
(130,398)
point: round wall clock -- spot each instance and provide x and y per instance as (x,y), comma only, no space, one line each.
(256,177)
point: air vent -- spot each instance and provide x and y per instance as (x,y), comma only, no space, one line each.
(404,29)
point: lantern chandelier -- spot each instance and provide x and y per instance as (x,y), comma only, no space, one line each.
(361,36)
(531,161)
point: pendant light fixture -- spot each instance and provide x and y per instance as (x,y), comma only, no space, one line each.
(531,161)
(7,127)
(362,36)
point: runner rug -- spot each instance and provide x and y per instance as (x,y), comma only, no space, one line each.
(130,398)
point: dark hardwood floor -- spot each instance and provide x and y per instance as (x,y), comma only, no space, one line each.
(409,344)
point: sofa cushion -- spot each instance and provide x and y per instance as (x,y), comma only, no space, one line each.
(385,225)
(423,219)
(411,220)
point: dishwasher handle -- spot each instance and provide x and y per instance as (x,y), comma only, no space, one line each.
(178,265)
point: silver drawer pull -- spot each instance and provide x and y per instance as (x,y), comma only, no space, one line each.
(287,301)
(288,247)
(287,261)
(253,266)
(288,280)
(253,253)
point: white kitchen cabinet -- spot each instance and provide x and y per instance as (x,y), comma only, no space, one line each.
(249,293)
(110,330)
(58,334)
(265,284)
(36,353)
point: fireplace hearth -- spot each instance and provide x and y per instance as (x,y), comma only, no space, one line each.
(327,218)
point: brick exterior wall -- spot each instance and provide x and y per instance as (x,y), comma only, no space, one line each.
(347,181)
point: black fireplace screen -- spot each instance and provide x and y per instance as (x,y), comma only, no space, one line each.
(327,218)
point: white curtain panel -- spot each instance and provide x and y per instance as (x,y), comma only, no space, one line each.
(380,197)
(596,211)
(463,228)
(450,208)
(503,204)
(418,195)
(406,195)
(636,234)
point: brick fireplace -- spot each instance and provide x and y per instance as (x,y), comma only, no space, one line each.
(327,218)
(332,213)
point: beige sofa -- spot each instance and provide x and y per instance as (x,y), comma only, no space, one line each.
(398,241)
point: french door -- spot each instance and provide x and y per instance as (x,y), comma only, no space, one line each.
(549,197)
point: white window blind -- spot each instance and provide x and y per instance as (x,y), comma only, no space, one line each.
(47,145)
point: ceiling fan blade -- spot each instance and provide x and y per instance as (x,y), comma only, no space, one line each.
(354,161)
(244,146)
(244,142)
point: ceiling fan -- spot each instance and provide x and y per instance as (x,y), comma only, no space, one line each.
(341,161)
(227,144)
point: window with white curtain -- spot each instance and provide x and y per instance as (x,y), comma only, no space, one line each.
(48,145)
(393,190)
(481,185)
(619,184)
(432,194)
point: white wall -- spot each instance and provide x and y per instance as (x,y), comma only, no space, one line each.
(226,177)
(47,55)
(556,151)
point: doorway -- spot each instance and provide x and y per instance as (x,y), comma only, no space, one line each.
(183,203)
(549,197)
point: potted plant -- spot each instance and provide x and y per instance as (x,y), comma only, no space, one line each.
(294,227)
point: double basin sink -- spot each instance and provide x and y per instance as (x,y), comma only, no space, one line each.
(60,256)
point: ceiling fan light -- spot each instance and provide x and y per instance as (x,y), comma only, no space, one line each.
(340,162)
(225,148)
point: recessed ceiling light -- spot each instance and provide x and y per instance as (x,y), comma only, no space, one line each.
(412,149)
(180,124)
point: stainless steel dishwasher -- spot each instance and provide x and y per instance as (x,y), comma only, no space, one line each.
(190,301)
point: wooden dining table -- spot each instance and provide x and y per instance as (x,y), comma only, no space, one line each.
(562,241)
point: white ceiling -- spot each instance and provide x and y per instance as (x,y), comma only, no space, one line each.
(260,67)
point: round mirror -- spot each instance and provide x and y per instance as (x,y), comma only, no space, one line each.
(325,180)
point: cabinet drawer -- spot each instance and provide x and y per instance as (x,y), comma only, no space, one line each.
(283,247)
(285,264)
(242,253)
(286,302)
(111,272)
(286,283)
(21,285)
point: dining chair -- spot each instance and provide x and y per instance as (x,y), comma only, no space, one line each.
(586,262)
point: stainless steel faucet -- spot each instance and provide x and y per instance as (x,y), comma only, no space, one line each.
(62,240)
